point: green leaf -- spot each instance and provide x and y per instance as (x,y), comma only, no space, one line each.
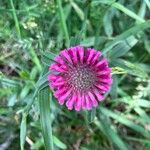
(63,22)
(96,2)
(78,10)
(79,36)
(132,31)
(90,41)
(147,44)
(143,114)
(118,70)
(24,74)
(44,97)
(34,58)
(142,10)
(27,108)
(25,91)
(59,143)
(107,21)
(49,55)
(121,8)
(139,140)
(143,103)
(122,47)
(40,142)
(42,81)
(90,115)
(23,128)
(9,82)
(129,67)
(114,87)
(148,3)
(128,12)
(15,19)
(48,58)
(124,121)
(112,135)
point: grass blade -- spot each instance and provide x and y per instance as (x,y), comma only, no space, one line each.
(125,121)
(78,10)
(142,114)
(44,104)
(110,133)
(23,129)
(132,31)
(15,19)
(127,12)
(63,22)
(148,3)
(35,58)
(123,47)
(121,8)
(59,143)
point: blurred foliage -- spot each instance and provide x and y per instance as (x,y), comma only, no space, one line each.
(32,33)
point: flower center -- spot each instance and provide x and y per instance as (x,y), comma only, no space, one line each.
(81,77)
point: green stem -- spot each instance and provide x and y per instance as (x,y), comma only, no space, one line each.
(63,22)
(15,19)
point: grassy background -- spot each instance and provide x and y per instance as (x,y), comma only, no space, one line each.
(32,32)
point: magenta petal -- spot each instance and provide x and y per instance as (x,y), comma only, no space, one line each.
(64,67)
(66,55)
(98,95)
(96,57)
(58,83)
(108,81)
(100,63)
(59,60)
(71,102)
(104,72)
(81,53)
(102,87)
(59,92)
(78,102)
(91,55)
(88,103)
(93,99)
(56,68)
(83,102)
(52,77)
(63,97)
(74,52)
(59,78)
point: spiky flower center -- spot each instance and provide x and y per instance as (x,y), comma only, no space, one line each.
(81,77)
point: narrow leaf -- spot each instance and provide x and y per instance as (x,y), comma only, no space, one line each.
(44,104)
(124,121)
(106,128)
(23,129)
(132,31)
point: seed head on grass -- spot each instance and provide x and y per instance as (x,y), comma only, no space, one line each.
(80,78)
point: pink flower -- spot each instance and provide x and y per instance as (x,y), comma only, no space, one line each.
(80,77)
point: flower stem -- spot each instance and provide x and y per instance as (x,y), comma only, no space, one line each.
(63,22)
(15,19)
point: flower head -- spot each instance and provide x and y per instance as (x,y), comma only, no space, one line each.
(80,77)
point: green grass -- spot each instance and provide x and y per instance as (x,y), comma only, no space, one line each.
(32,33)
